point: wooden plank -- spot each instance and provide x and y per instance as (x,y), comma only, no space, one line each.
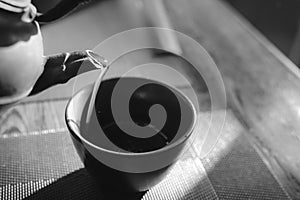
(88,27)
(262,88)
(85,29)
(31,118)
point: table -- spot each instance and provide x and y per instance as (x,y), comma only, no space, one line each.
(38,161)
(250,159)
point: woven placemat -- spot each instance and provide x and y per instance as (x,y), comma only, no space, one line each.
(46,166)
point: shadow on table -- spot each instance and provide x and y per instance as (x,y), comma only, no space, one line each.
(78,185)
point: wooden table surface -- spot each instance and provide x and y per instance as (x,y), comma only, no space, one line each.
(262,84)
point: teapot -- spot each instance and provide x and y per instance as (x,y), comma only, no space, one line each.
(24,70)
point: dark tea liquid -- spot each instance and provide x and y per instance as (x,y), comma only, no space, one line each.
(145,96)
(134,144)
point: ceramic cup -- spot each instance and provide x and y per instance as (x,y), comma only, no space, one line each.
(124,162)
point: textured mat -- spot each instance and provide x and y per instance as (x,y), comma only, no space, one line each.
(46,166)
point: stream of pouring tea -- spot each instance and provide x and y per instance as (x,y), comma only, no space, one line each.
(103,69)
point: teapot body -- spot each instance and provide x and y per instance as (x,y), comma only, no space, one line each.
(24,70)
(21,64)
(21,50)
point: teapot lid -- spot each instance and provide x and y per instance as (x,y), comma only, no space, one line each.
(14,5)
(20,6)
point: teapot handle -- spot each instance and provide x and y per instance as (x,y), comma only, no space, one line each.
(60,10)
(62,67)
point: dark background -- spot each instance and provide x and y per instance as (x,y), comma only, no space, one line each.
(278,20)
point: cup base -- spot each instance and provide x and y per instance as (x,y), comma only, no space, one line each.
(110,179)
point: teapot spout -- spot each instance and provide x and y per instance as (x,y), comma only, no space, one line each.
(61,68)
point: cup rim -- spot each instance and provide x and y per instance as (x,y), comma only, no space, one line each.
(188,133)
